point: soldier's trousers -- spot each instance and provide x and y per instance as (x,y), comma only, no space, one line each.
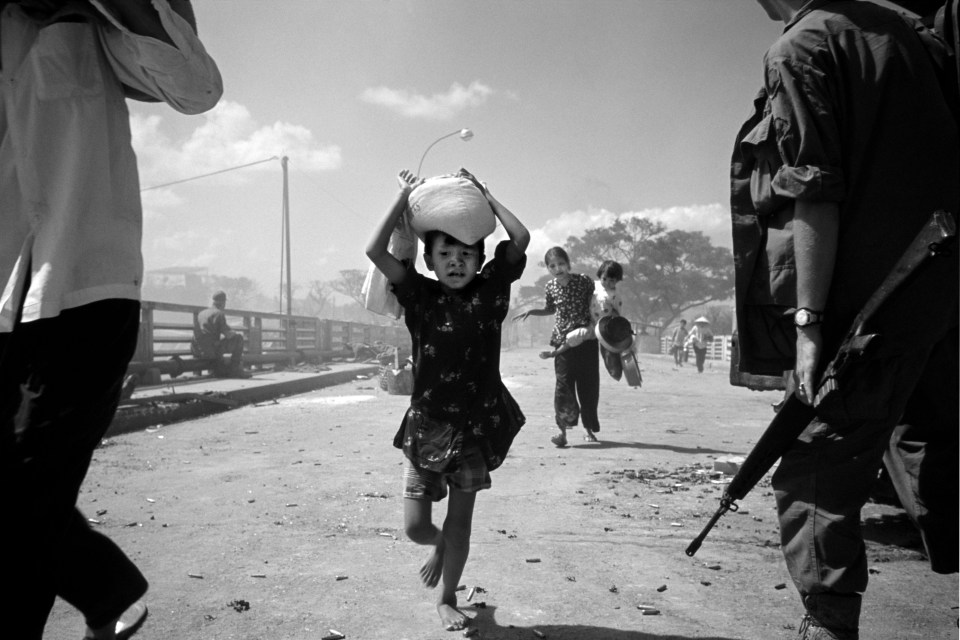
(824,480)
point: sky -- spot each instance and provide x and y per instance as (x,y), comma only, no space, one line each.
(582,111)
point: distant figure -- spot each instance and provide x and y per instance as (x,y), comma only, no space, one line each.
(71,268)
(678,343)
(699,338)
(215,339)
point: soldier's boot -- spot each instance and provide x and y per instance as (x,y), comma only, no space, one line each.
(831,617)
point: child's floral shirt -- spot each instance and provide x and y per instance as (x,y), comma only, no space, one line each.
(456,348)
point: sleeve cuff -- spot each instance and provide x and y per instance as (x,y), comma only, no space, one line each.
(809,183)
(183,75)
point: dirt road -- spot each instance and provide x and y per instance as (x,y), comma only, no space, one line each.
(283,521)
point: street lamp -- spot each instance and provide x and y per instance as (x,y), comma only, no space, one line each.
(465,134)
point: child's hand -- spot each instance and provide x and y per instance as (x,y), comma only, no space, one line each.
(520,317)
(407,180)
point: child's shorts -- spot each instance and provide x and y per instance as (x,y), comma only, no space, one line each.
(422,484)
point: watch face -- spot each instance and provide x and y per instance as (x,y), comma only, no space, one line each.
(802,317)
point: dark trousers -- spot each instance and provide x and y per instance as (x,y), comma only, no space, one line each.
(824,480)
(701,356)
(232,346)
(60,382)
(578,377)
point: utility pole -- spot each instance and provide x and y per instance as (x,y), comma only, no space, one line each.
(286,229)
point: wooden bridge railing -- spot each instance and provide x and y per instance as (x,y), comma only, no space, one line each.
(167,329)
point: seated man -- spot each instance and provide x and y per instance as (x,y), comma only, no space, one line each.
(211,325)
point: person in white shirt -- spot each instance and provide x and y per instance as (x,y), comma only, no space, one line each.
(606,300)
(700,338)
(70,276)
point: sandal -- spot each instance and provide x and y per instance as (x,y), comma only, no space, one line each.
(589,437)
(131,620)
(560,440)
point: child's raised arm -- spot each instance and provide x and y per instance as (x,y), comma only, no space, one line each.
(519,236)
(388,265)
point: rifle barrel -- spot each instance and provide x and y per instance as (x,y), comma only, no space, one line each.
(789,423)
(726,504)
(779,436)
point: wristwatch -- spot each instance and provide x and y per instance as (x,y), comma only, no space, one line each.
(807,317)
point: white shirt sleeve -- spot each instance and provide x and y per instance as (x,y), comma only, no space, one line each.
(183,75)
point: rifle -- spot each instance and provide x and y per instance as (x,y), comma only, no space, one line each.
(935,238)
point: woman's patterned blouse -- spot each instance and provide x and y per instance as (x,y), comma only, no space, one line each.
(571,303)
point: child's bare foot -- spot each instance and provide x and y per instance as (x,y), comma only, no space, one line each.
(432,569)
(544,355)
(452,618)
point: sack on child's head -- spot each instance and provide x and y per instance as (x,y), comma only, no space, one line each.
(453,204)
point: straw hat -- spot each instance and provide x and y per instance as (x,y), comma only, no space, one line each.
(702,319)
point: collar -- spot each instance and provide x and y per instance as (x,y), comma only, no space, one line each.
(809,7)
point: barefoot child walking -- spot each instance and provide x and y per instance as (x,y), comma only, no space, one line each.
(461,419)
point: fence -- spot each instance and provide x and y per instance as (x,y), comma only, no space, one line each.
(719,349)
(166,331)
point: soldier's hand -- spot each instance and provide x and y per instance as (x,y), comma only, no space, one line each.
(809,344)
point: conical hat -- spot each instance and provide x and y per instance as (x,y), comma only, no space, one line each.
(701,319)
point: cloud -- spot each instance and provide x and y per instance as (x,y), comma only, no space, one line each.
(713,220)
(189,248)
(439,106)
(228,137)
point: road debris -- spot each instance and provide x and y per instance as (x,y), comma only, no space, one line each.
(239,605)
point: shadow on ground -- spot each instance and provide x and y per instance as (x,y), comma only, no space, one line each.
(485,621)
(611,444)
(892,529)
